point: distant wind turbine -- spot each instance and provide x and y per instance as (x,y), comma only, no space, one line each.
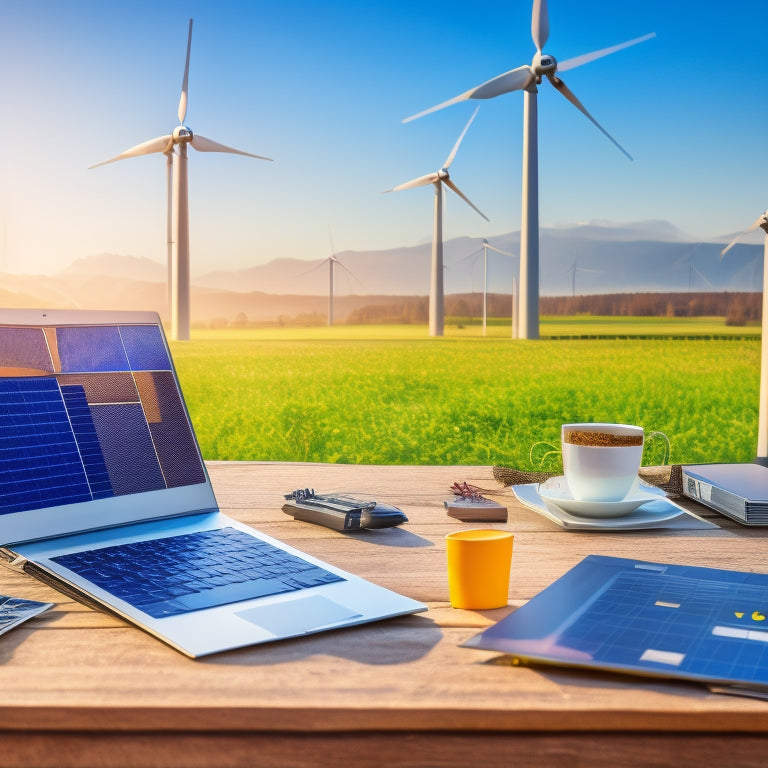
(440,178)
(486,245)
(693,270)
(332,261)
(526,78)
(762,426)
(573,270)
(174,147)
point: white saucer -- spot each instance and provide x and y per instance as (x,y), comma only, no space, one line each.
(661,513)
(555,492)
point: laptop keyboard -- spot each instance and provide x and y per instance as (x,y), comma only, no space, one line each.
(177,574)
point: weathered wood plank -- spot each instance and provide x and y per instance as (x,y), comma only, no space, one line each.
(370,749)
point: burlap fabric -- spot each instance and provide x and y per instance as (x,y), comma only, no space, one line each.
(669,479)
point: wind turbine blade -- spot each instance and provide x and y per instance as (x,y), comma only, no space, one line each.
(701,275)
(455,100)
(160,144)
(585,58)
(563,88)
(474,253)
(514,80)
(761,220)
(201,144)
(315,268)
(348,270)
(185,82)
(460,139)
(452,186)
(422,181)
(498,250)
(540,24)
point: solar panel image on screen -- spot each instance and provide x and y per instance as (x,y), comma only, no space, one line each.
(40,464)
(89,412)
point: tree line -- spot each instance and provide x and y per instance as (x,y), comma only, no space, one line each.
(737,307)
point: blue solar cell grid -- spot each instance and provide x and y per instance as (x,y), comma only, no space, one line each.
(87,441)
(676,615)
(60,445)
(40,464)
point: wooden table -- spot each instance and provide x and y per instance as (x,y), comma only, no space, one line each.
(81,688)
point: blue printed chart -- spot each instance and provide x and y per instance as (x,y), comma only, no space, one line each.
(702,624)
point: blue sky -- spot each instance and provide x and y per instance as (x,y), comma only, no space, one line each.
(322,87)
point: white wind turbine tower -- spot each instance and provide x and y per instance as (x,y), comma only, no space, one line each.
(174,147)
(526,78)
(332,261)
(762,426)
(438,178)
(486,246)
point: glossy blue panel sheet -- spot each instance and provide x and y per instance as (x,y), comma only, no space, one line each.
(90,349)
(658,619)
(145,348)
(40,464)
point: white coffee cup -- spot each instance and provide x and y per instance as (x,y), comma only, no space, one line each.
(601,461)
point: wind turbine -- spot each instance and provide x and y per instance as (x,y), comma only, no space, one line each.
(438,179)
(332,261)
(485,246)
(693,270)
(526,78)
(762,425)
(573,269)
(174,147)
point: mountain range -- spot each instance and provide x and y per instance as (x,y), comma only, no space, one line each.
(595,258)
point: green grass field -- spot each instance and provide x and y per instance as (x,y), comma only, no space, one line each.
(393,395)
(497,328)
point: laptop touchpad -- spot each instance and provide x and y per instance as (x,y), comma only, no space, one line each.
(295,617)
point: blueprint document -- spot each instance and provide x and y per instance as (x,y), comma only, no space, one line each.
(701,624)
(15,610)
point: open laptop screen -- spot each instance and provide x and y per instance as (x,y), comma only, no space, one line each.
(88,413)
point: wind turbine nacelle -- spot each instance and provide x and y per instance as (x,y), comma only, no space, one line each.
(182,135)
(543,64)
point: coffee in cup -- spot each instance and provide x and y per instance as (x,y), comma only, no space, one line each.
(601,461)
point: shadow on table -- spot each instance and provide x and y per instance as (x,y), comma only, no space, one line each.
(391,537)
(391,641)
(606,679)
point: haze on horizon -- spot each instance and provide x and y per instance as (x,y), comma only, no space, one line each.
(322,89)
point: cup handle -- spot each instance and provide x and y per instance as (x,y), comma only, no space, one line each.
(548,452)
(667,448)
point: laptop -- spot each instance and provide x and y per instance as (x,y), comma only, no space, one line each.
(104,494)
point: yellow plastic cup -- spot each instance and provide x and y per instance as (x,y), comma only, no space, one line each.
(479,563)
